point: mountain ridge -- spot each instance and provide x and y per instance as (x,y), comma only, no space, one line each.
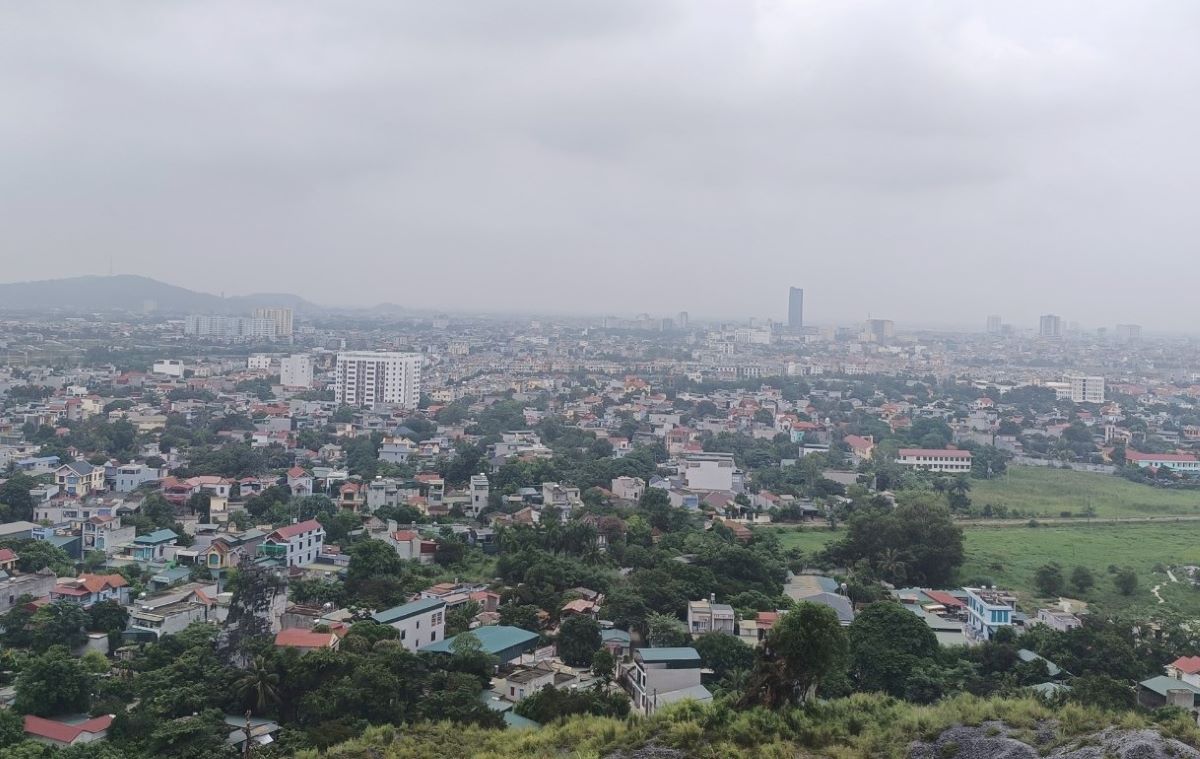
(133,293)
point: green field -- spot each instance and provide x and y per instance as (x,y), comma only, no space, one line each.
(1049,492)
(1009,556)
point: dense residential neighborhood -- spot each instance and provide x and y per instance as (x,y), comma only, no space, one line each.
(516,523)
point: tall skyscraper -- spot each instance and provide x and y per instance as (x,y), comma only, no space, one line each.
(795,309)
(1128,333)
(994,325)
(281,316)
(1050,326)
(367,378)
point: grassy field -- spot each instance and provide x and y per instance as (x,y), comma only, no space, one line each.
(1049,492)
(1009,556)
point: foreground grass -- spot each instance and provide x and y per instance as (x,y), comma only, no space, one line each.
(1050,492)
(863,726)
(1009,557)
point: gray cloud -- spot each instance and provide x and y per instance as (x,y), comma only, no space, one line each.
(927,161)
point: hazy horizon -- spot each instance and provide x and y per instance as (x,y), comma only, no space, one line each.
(929,163)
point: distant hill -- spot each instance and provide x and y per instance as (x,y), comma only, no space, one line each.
(128,292)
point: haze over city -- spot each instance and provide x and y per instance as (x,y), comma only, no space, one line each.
(926,162)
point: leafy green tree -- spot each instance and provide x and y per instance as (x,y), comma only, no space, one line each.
(550,703)
(806,648)
(34,555)
(666,630)
(724,653)
(604,665)
(1126,581)
(12,730)
(887,642)
(16,505)
(58,623)
(1082,579)
(52,683)
(524,616)
(107,617)
(1049,579)
(578,639)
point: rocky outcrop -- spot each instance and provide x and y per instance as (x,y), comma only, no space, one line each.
(995,741)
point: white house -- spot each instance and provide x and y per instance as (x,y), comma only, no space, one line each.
(480,490)
(298,544)
(170,367)
(988,610)
(628,488)
(709,471)
(420,622)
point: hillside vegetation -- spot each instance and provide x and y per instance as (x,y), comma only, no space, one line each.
(862,726)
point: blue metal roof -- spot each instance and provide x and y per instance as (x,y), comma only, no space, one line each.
(656,655)
(158,536)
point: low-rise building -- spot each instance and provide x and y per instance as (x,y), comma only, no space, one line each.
(306,640)
(167,614)
(988,610)
(419,623)
(54,732)
(661,676)
(89,589)
(935,459)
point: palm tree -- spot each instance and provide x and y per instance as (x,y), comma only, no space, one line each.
(261,682)
(891,563)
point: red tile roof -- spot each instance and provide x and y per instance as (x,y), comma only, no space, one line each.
(7,554)
(944,598)
(295,637)
(292,530)
(62,732)
(1189,665)
(297,472)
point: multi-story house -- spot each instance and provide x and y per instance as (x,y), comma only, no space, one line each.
(154,546)
(296,544)
(79,479)
(988,610)
(300,481)
(167,614)
(419,622)
(105,534)
(704,617)
(935,459)
(661,676)
(88,589)
(628,488)
(130,477)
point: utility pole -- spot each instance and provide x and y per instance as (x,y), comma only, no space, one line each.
(246,745)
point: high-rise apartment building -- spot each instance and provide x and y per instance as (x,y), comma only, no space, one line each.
(1050,326)
(1086,389)
(367,378)
(296,370)
(795,309)
(878,330)
(1128,333)
(995,325)
(230,327)
(281,316)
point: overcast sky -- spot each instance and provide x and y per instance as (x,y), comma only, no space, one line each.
(929,162)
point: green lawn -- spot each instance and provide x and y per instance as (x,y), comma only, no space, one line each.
(1009,556)
(1048,492)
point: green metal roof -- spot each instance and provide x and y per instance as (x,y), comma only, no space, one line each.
(1162,684)
(404,611)
(493,639)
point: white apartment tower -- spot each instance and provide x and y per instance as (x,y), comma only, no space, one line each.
(368,378)
(281,316)
(296,370)
(1086,389)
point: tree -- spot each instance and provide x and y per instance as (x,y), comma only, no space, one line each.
(12,730)
(459,620)
(604,664)
(1049,579)
(16,505)
(33,555)
(666,630)
(921,530)
(578,640)
(1126,581)
(53,683)
(1082,579)
(524,616)
(58,623)
(107,617)
(259,686)
(805,648)
(724,653)
(550,703)
(888,642)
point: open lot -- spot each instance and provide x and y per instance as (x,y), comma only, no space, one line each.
(1009,556)
(1049,492)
